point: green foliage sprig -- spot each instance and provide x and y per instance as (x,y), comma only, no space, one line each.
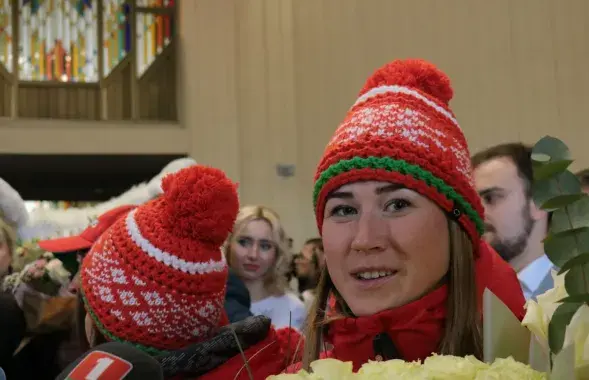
(558,191)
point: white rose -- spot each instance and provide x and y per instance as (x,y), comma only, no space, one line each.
(332,369)
(577,334)
(444,367)
(539,313)
(57,272)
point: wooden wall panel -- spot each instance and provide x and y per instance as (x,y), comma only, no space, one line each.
(117,88)
(157,88)
(5,94)
(50,100)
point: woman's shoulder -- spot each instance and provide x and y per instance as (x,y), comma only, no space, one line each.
(293,300)
(287,299)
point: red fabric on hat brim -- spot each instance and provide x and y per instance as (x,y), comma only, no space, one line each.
(66,244)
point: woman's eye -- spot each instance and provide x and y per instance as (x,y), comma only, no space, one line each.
(266,246)
(244,242)
(397,205)
(343,211)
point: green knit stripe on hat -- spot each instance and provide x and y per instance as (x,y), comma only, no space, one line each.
(403,167)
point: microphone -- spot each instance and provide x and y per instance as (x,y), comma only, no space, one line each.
(12,328)
(113,361)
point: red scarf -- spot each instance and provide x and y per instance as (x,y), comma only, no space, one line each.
(416,330)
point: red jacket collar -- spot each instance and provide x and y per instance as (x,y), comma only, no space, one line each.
(415,329)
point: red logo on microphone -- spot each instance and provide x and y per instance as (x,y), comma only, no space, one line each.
(99,365)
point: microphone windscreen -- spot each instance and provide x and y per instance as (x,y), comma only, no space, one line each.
(113,361)
(12,327)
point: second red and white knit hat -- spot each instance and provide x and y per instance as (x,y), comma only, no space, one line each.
(157,277)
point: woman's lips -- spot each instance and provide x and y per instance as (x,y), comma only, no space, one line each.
(251,267)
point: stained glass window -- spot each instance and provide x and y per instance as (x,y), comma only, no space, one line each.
(154,33)
(155,3)
(116,33)
(58,40)
(6,35)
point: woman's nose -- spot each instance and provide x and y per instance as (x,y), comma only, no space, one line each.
(370,233)
(254,251)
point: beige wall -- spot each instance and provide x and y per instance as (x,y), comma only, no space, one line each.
(273,78)
(267,82)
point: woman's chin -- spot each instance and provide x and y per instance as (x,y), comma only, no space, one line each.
(363,308)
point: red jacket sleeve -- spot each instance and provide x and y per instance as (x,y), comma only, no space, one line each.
(496,274)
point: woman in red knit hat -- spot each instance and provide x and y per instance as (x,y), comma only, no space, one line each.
(156,278)
(401,225)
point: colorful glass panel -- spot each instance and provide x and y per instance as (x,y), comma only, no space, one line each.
(6,34)
(154,33)
(58,40)
(116,33)
(155,3)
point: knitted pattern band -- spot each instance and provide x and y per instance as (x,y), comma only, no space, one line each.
(157,277)
(402,130)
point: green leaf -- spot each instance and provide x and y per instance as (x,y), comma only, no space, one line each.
(575,215)
(565,183)
(553,147)
(581,259)
(566,245)
(576,281)
(557,327)
(561,201)
(550,169)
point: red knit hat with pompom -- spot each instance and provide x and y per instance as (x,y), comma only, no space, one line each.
(402,130)
(157,277)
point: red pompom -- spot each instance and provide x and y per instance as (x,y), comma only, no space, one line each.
(201,203)
(413,73)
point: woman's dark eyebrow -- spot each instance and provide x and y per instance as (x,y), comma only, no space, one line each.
(349,195)
(490,190)
(389,188)
(339,195)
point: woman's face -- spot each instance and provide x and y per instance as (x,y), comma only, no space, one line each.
(253,250)
(304,266)
(385,245)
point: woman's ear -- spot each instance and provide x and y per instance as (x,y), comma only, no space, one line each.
(90,331)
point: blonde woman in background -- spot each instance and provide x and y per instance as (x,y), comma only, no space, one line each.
(257,251)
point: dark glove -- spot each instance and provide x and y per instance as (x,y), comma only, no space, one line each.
(203,357)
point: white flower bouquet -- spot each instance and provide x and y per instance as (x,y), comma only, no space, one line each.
(41,290)
(437,367)
(25,253)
